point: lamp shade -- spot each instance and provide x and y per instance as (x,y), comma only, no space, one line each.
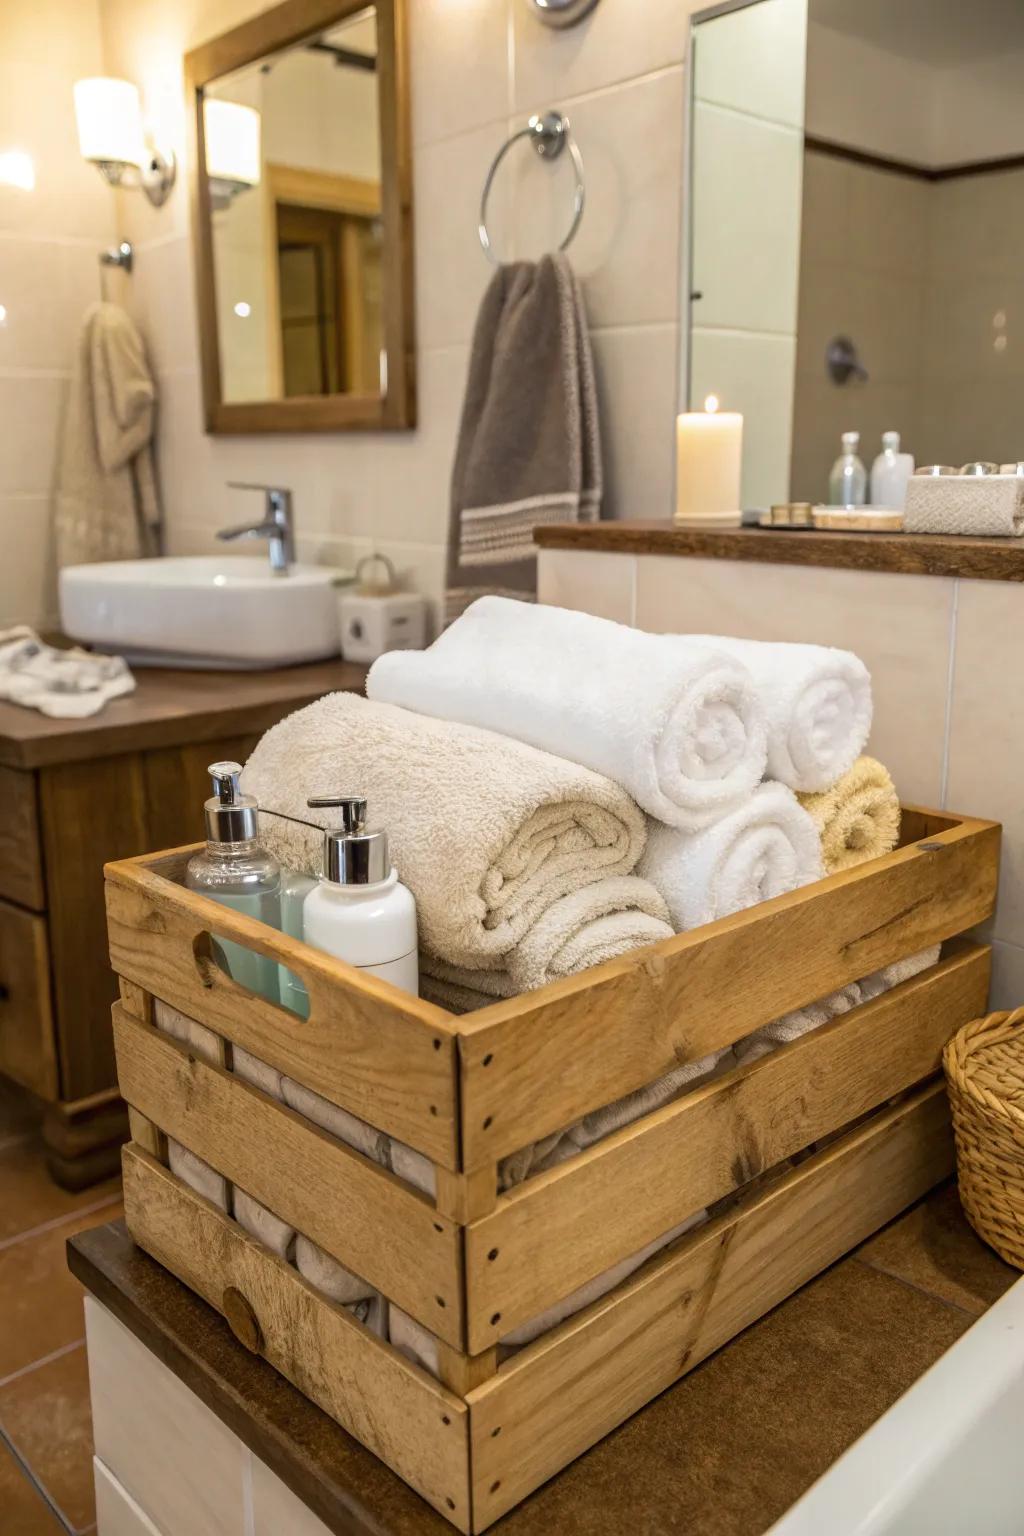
(109,120)
(233,149)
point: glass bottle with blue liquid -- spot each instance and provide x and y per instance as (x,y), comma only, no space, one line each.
(237,871)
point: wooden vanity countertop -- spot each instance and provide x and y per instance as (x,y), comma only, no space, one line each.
(913,554)
(171,706)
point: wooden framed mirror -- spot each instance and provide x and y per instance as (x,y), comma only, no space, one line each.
(301,178)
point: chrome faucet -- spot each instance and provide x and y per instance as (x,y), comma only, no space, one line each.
(277,527)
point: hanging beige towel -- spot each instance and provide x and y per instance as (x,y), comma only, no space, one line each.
(487,833)
(858,818)
(107,505)
(529,449)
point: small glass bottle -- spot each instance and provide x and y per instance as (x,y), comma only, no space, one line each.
(848,482)
(236,871)
(890,473)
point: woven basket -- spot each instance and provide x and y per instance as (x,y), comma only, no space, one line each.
(984,1065)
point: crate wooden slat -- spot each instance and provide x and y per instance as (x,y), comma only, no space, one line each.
(615,1198)
(374,1050)
(664,1003)
(380,1228)
(396,1410)
(565,1393)
(471,1265)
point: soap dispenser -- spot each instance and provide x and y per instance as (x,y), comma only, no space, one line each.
(236,871)
(360,912)
(848,482)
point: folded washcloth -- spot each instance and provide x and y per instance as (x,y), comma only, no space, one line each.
(64,684)
(983,505)
(486,832)
(671,719)
(792,1025)
(767,847)
(817,702)
(263,1224)
(529,449)
(858,818)
(597,923)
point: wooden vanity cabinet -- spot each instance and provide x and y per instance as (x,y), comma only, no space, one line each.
(74,795)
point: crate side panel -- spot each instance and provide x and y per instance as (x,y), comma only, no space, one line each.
(531,1066)
(369,1220)
(546,1408)
(406,1419)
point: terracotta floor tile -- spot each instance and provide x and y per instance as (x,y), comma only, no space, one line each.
(935,1248)
(40,1299)
(45,1415)
(29,1197)
(25,1512)
(747,1432)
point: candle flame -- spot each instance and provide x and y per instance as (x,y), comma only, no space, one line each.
(711,404)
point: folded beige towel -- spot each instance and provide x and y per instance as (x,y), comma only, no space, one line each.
(486,832)
(989,505)
(263,1224)
(585,928)
(198,1175)
(858,818)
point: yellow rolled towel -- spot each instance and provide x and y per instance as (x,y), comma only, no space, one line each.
(858,818)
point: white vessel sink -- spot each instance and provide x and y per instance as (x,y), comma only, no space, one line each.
(215,611)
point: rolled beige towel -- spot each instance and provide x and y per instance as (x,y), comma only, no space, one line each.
(858,818)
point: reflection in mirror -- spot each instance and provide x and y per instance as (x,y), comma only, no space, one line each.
(855,225)
(294,162)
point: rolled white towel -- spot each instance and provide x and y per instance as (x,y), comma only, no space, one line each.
(329,1277)
(817,702)
(767,847)
(252,1070)
(672,719)
(336,1121)
(259,1222)
(198,1174)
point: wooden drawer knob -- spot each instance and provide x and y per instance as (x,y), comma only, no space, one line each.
(242,1320)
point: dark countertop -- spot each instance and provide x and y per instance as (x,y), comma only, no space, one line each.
(722,1453)
(170,707)
(909,553)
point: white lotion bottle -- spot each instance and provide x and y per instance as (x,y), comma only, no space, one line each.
(360,912)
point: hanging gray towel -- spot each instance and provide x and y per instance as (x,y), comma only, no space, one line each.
(107,505)
(529,449)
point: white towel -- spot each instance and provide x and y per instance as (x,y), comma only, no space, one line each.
(767,847)
(198,1174)
(328,1276)
(670,718)
(252,1070)
(263,1224)
(585,928)
(818,705)
(983,505)
(62,684)
(486,832)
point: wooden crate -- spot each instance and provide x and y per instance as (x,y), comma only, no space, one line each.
(472,1265)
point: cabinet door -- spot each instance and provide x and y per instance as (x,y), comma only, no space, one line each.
(27,1047)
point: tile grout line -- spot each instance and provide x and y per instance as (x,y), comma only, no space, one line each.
(35,1365)
(950,680)
(34,1482)
(58,1221)
(911,1285)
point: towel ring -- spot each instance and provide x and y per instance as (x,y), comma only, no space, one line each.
(549,133)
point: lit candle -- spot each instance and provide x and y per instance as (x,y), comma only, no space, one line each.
(709,454)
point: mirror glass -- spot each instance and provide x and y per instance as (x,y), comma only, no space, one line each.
(856,218)
(293,158)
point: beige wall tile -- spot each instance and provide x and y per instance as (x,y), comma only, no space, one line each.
(1007,990)
(612,44)
(753,61)
(45,288)
(746,197)
(898,625)
(638,388)
(275,1509)
(160,297)
(627,248)
(147,1425)
(117,1513)
(28,593)
(465,42)
(600,583)
(410,481)
(37,116)
(30,409)
(986,736)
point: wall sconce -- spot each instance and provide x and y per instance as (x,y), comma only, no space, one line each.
(232,136)
(110,134)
